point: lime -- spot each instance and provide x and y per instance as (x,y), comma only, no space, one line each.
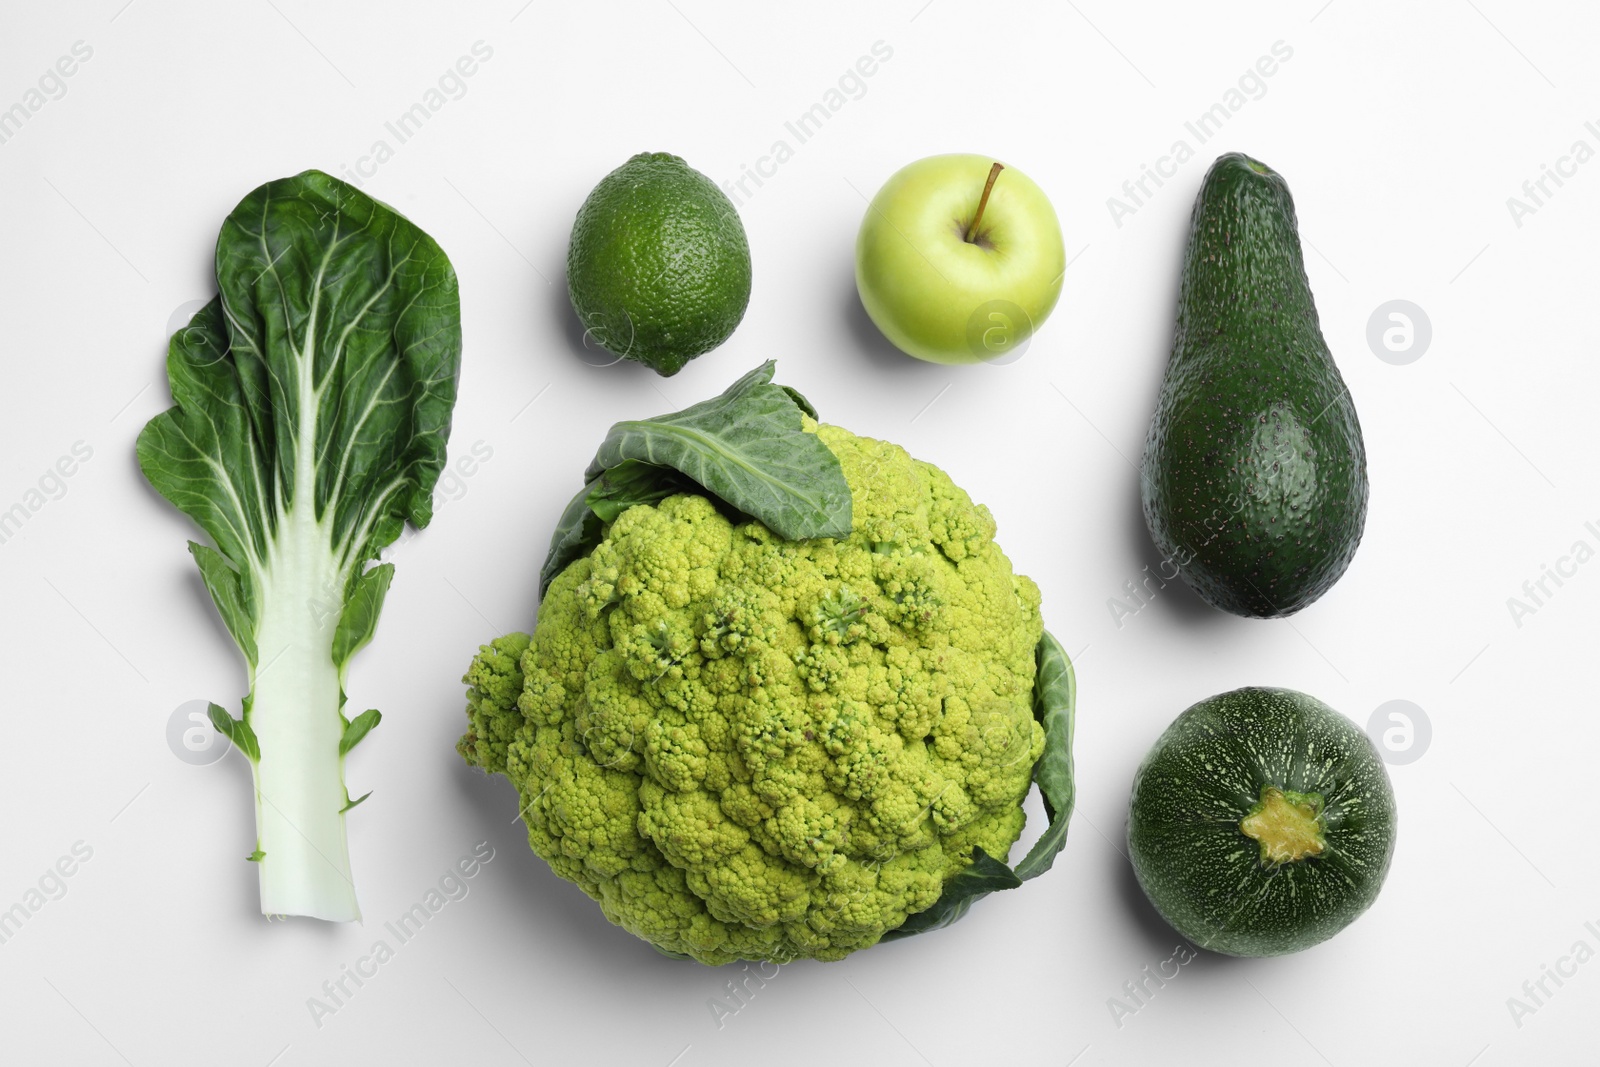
(658,268)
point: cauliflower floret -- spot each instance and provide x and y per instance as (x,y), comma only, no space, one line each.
(747,747)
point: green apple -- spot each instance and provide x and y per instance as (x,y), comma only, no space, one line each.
(959,259)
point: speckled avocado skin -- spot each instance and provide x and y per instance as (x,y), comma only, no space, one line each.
(1255,475)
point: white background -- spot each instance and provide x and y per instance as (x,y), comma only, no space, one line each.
(1402,134)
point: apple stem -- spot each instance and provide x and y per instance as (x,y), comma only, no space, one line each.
(983,201)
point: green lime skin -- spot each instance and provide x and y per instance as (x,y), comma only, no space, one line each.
(1224,768)
(658,268)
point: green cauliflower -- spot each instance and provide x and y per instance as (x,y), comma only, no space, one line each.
(750,748)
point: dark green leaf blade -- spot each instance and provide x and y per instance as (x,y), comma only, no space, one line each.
(331,295)
(1054,697)
(747,447)
(335,342)
(359,619)
(201,454)
(227,588)
(630,483)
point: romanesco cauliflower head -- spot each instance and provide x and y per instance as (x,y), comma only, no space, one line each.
(750,748)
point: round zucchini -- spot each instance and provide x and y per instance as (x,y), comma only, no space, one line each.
(1262,822)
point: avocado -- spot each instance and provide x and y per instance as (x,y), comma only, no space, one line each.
(1255,476)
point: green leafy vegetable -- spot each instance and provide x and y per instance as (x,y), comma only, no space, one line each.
(1055,691)
(313,400)
(747,448)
